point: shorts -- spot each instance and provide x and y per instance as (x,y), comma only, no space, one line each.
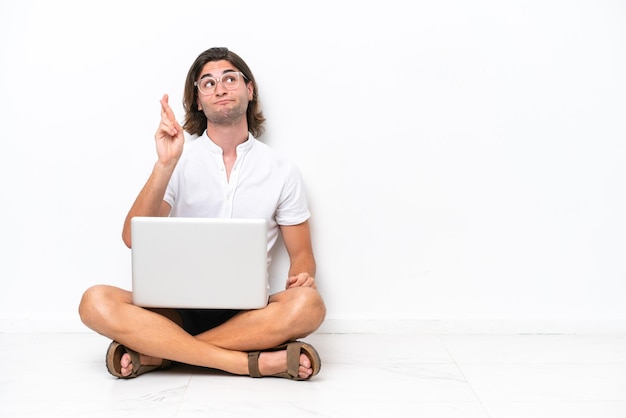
(197,321)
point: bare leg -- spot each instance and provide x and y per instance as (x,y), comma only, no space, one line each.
(294,313)
(290,314)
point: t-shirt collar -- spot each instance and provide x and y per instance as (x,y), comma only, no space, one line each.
(241,148)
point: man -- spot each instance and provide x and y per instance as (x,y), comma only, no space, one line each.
(197,178)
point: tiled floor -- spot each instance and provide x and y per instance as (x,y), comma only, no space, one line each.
(478,376)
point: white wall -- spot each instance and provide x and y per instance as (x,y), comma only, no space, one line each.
(465,160)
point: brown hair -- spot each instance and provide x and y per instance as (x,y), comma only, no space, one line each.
(195,121)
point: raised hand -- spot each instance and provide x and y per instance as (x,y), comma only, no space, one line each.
(169,136)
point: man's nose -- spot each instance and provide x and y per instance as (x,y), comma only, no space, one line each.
(219,88)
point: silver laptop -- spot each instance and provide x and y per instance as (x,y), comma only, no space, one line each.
(202,263)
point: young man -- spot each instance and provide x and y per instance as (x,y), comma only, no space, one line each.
(199,178)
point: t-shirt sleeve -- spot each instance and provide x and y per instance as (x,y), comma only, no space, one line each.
(293,206)
(172,189)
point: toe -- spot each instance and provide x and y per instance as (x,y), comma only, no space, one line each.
(305,369)
(305,361)
(126,364)
(304,372)
(125,361)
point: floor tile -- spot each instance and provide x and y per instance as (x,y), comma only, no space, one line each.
(537,348)
(362,348)
(577,409)
(547,382)
(88,409)
(338,409)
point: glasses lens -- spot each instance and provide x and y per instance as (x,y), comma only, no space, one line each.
(229,81)
(206,85)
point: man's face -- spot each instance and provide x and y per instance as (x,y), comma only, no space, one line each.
(223,105)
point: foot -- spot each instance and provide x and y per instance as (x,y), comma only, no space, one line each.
(294,360)
(126,363)
(274,362)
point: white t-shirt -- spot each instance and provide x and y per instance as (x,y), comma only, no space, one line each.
(262,184)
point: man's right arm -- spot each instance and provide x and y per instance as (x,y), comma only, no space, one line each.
(150,201)
(170,140)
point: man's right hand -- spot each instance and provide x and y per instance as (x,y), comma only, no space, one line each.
(169,136)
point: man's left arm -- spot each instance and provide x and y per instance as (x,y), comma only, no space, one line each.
(297,239)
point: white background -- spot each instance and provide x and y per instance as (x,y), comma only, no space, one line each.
(464,160)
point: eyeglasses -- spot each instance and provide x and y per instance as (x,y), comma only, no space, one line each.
(230,81)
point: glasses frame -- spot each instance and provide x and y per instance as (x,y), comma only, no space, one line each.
(219,80)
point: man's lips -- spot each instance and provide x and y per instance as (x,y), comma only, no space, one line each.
(222,102)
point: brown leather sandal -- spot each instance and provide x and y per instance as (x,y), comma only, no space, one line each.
(114,357)
(294,349)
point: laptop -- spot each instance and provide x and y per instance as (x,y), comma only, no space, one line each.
(200,263)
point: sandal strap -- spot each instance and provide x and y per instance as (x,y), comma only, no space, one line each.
(253,364)
(293,358)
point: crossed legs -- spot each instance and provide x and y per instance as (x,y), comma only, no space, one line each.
(157,334)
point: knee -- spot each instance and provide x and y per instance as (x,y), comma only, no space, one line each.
(308,310)
(93,305)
